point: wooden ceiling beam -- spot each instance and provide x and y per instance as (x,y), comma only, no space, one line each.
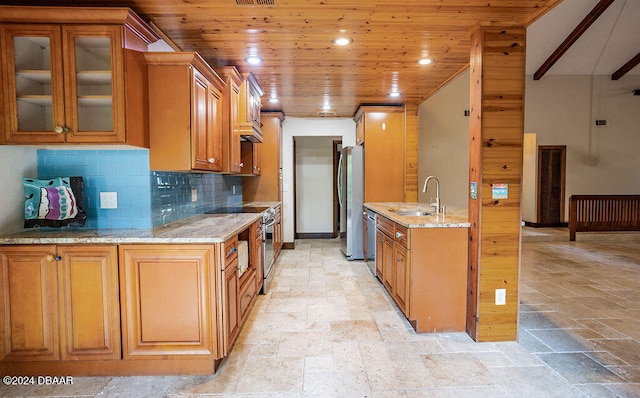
(624,69)
(582,27)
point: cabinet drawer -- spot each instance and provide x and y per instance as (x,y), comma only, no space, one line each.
(385,225)
(402,235)
(230,251)
(247,295)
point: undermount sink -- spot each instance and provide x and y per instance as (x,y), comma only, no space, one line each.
(411,213)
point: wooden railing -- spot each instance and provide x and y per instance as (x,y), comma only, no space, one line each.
(603,213)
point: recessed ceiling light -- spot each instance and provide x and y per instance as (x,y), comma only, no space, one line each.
(342,41)
(326,107)
(394,94)
(253,60)
(273,99)
(425,61)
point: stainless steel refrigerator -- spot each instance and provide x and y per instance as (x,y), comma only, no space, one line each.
(350,196)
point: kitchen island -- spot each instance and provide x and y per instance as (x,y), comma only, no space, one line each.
(162,301)
(421,259)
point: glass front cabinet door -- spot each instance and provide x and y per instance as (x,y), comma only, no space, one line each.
(64,83)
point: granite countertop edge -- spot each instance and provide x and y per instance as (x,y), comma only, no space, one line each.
(198,229)
(453,217)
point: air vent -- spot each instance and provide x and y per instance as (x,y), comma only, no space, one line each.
(254,3)
(323,113)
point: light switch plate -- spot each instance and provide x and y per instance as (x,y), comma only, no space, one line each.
(501,296)
(108,200)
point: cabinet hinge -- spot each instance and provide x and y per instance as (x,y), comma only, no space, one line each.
(477,318)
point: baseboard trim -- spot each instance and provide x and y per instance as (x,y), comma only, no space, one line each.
(320,235)
(542,225)
(288,245)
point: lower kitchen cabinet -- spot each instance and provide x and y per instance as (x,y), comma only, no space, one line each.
(230,313)
(168,301)
(59,303)
(425,272)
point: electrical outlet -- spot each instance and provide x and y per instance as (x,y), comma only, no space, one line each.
(194,195)
(233,189)
(108,200)
(501,296)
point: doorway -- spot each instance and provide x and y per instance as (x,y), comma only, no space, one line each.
(551,185)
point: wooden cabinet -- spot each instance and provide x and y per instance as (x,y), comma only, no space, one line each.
(258,253)
(185,99)
(277,233)
(381,130)
(230,289)
(168,301)
(69,82)
(267,187)
(250,106)
(425,272)
(59,303)
(231,119)
(250,157)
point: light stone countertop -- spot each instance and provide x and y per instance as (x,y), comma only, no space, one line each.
(453,218)
(203,228)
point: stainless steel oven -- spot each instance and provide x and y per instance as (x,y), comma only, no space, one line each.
(268,220)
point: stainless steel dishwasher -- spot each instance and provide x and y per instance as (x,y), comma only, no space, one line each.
(371,241)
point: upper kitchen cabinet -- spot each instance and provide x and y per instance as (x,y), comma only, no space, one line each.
(381,131)
(232,162)
(186,113)
(250,105)
(79,78)
(267,187)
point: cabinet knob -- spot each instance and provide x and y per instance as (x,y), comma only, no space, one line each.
(212,160)
(51,258)
(61,129)
(398,234)
(241,165)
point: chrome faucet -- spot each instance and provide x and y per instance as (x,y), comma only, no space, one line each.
(424,190)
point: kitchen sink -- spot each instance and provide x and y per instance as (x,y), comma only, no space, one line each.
(411,213)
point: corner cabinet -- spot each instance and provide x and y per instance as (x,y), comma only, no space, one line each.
(186,104)
(59,303)
(267,188)
(381,131)
(425,272)
(72,82)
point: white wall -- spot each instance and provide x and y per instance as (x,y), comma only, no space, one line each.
(314,184)
(15,162)
(306,127)
(562,110)
(443,143)
(559,110)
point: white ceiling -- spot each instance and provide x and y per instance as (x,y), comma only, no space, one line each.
(611,41)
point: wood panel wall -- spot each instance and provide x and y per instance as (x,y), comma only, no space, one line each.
(496,139)
(411,153)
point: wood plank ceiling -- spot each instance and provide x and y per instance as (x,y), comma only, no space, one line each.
(301,66)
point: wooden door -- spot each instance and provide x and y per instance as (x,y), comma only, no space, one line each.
(551,185)
(28,303)
(34,83)
(387,264)
(379,254)
(89,302)
(231,314)
(401,278)
(168,301)
(201,159)
(258,260)
(235,155)
(94,84)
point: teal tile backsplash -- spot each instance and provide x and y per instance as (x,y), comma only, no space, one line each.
(146,198)
(123,171)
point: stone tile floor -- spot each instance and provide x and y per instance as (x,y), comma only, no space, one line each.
(328,329)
